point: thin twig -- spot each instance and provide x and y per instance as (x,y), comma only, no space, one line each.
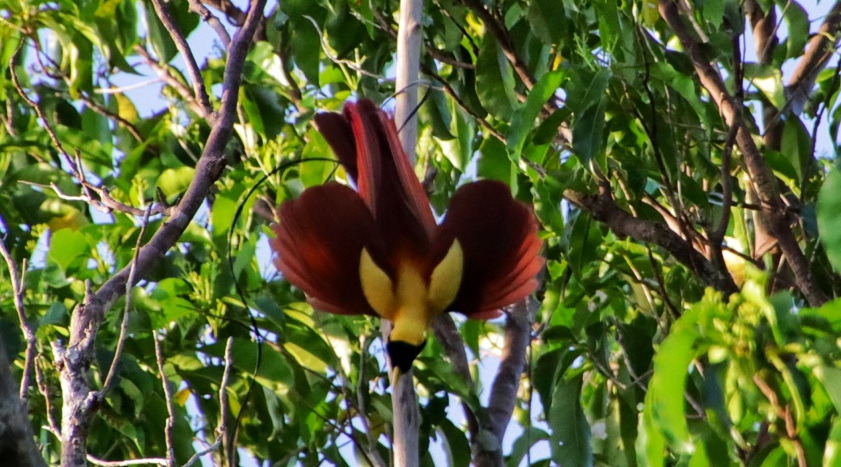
(785,414)
(163,72)
(716,236)
(325,47)
(38,110)
(44,389)
(498,30)
(361,390)
(170,405)
(96,107)
(445,331)
(128,307)
(212,20)
(224,407)
(199,91)
(17,279)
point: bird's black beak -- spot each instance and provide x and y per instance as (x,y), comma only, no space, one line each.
(402,354)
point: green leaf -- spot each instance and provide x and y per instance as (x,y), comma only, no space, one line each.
(570,435)
(713,11)
(796,146)
(797,21)
(665,401)
(493,160)
(546,19)
(832,451)
(829,222)
(494,80)
(684,85)
(175,181)
(830,376)
(457,445)
(306,48)
(588,132)
(523,120)
(769,81)
(66,246)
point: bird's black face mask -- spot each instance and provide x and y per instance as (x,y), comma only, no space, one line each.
(402,354)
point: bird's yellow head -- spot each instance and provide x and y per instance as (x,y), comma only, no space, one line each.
(410,300)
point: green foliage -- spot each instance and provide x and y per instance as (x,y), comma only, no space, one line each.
(635,359)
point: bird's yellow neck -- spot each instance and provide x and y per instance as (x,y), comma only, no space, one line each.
(409,299)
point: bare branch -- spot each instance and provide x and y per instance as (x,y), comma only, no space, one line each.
(763,180)
(445,331)
(818,52)
(146,461)
(17,279)
(403,399)
(75,360)
(604,209)
(182,89)
(170,404)
(211,19)
(199,91)
(224,406)
(234,14)
(16,441)
(127,309)
(716,236)
(503,396)
(38,110)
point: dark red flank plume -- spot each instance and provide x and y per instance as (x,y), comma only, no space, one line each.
(379,251)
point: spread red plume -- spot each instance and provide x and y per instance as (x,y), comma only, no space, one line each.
(379,251)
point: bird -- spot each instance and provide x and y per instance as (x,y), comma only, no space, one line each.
(377,249)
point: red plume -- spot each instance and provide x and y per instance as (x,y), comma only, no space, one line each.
(321,235)
(498,236)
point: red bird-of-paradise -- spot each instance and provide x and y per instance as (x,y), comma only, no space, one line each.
(378,250)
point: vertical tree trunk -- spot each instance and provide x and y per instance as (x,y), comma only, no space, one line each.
(403,399)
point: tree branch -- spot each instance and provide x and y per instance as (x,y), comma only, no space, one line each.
(409,36)
(818,52)
(500,33)
(74,361)
(17,279)
(445,331)
(773,212)
(504,388)
(604,209)
(198,7)
(199,91)
(17,444)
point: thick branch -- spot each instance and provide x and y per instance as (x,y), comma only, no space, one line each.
(604,209)
(74,361)
(818,52)
(504,388)
(773,212)
(445,331)
(17,445)
(409,36)
(764,25)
